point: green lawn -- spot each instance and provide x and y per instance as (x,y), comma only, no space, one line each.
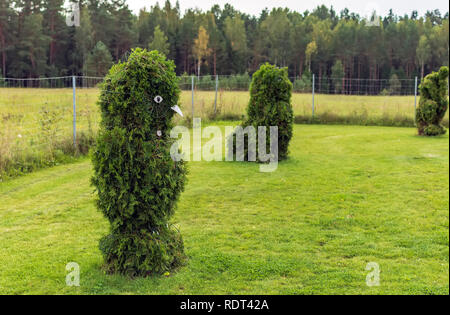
(348,195)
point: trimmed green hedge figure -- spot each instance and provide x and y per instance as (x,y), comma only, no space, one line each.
(269,105)
(137,181)
(433,103)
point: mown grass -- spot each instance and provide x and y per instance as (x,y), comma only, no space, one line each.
(348,195)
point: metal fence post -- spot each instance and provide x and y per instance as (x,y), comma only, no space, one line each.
(192,83)
(215,98)
(313,83)
(415,100)
(74,86)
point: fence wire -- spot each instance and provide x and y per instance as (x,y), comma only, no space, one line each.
(322,85)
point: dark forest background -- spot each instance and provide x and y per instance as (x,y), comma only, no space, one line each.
(36,42)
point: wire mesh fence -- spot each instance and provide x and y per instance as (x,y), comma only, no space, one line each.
(51,83)
(315,98)
(304,84)
(322,85)
(368,87)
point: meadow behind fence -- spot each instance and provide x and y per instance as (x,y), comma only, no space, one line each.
(40,127)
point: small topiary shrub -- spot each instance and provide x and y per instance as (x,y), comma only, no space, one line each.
(433,103)
(270,105)
(137,181)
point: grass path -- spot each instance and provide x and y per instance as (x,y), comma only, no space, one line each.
(347,196)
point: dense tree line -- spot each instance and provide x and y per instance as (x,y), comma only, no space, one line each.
(36,42)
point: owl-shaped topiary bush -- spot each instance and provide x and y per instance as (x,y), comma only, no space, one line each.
(137,182)
(433,103)
(269,105)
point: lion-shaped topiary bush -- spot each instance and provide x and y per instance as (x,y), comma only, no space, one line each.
(433,103)
(270,105)
(137,182)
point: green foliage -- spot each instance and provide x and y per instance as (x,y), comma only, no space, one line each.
(395,85)
(137,181)
(30,48)
(236,35)
(433,103)
(239,82)
(159,42)
(50,122)
(337,72)
(84,38)
(270,105)
(35,41)
(304,83)
(98,61)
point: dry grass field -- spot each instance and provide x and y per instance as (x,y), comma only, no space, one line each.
(36,125)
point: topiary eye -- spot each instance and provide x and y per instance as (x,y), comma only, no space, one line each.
(158,99)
